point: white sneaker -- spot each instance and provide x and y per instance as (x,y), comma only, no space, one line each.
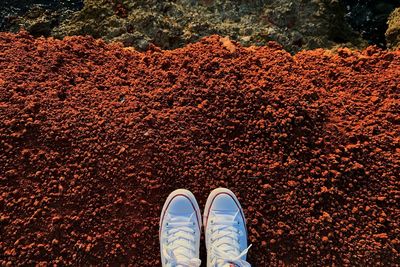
(225,230)
(180,229)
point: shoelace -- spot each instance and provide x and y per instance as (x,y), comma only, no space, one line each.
(180,245)
(225,244)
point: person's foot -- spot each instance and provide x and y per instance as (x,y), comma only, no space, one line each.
(180,229)
(225,230)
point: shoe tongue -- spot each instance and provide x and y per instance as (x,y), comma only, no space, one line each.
(182,253)
(230,265)
(225,216)
(179,218)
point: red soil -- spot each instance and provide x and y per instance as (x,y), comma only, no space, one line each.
(93,138)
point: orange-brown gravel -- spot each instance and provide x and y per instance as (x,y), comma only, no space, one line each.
(93,137)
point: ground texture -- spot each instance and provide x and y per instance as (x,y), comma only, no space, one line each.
(93,137)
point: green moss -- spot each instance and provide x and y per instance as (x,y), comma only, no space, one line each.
(296,25)
(393,31)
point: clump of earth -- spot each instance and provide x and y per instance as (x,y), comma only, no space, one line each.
(296,25)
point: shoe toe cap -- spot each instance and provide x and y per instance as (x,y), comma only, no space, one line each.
(224,202)
(181,205)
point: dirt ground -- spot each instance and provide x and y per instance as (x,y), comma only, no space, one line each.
(93,137)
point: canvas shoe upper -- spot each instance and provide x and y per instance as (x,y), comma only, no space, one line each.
(225,230)
(180,225)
